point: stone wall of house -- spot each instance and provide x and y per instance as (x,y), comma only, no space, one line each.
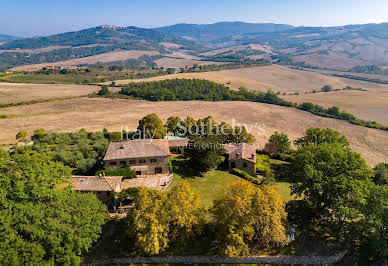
(293,260)
(239,164)
(161,162)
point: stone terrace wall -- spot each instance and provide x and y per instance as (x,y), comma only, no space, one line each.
(221,260)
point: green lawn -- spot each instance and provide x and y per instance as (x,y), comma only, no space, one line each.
(208,186)
(284,190)
(212,183)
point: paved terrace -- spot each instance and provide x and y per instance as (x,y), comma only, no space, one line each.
(157,182)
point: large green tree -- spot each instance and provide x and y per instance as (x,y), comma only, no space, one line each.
(172,124)
(41,223)
(204,152)
(329,176)
(322,135)
(151,126)
(282,143)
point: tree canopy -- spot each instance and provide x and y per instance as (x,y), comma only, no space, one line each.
(319,136)
(81,150)
(161,220)
(282,143)
(41,224)
(172,124)
(338,196)
(204,153)
(328,176)
(249,219)
(151,126)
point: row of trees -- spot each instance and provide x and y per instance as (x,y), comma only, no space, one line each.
(151,126)
(194,89)
(245,220)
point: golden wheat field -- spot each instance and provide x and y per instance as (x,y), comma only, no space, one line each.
(20,92)
(261,119)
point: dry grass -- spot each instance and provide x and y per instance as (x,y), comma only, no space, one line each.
(274,77)
(371,105)
(34,51)
(105,57)
(97,113)
(20,92)
(233,49)
(365,105)
(170,45)
(168,62)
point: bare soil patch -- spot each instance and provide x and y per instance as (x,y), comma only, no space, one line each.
(98,113)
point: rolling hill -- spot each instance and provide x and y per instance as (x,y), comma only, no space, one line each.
(341,47)
(215,31)
(8,38)
(84,43)
(358,48)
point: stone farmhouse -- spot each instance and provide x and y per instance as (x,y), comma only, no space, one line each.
(144,156)
(241,156)
(150,159)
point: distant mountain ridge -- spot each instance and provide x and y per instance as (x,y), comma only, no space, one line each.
(340,48)
(105,34)
(8,38)
(203,32)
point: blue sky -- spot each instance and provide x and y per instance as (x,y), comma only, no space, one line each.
(44,17)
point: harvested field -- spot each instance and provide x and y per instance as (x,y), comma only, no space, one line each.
(170,45)
(365,105)
(274,77)
(21,92)
(168,62)
(370,105)
(97,113)
(35,51)
(105,57)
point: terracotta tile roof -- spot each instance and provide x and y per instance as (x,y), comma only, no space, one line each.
(137,149)
(241,151)
(95,183)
